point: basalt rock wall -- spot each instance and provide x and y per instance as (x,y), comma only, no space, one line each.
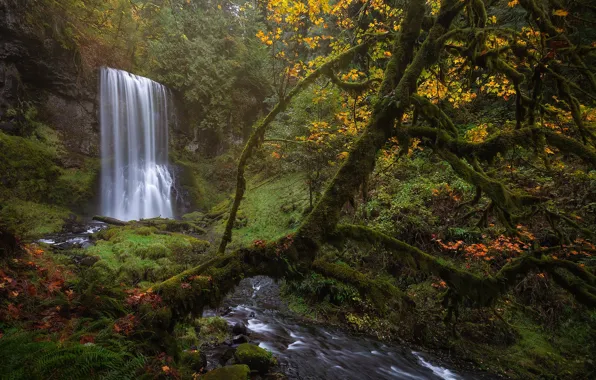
(37,70)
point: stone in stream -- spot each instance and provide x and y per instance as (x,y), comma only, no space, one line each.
(238,339)
(232,372)
(227,356)
(239,329)
(257,358)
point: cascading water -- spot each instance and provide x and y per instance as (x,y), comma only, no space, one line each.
(135,180)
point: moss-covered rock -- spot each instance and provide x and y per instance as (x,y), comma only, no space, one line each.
(233,372)
(212,330)
(255,357)
(152,251)
(195,216)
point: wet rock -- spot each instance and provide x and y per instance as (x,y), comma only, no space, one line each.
(227,311)
(257,358)
(227,356)
(239,329)
(233,372)
(239,339)
(252,314)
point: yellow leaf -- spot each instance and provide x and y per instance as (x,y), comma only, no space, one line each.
(560,12)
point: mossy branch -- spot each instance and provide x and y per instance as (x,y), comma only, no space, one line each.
(434,114)
(382,293)
(258,133)
(482,291)
(393,102)
(503,142)
(353,87)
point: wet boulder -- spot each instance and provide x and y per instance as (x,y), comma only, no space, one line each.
(239,329)
(232,372)
(239,339)
(257,358)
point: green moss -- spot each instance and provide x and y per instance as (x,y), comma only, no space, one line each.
(212,330)
(28,168)
(140,253)
(268,209)
(232,372)
(152,251)
(76,186)
(193,179)
(195,216)
(255,357)
(30,220)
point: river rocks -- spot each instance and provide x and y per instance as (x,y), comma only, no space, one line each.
(239,329)
(227,356)
(233,372)
(255,357)
(239,339)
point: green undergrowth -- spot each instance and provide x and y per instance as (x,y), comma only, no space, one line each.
(413,196)
(328,300)
(204,182)
(40,180)
(202,332)
(25,356)
(30,220)
(144,254)
(271,208)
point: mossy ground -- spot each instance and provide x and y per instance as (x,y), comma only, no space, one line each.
(142,254)
(30,220)
(272,208)
(37,191)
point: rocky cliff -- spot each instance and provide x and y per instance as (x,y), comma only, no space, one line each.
(36,70)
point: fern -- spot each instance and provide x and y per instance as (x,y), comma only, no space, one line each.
(25,358)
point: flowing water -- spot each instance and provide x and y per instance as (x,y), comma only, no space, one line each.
(309,352)
(304,351)
(135,180)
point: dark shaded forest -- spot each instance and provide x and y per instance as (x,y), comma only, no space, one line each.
(413,174)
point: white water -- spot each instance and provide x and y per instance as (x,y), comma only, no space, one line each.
(135,180)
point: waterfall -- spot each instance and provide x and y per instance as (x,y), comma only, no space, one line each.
(135,180)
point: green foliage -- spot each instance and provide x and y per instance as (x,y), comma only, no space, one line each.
(35,190)
(134,254)
(30,220)
(272,208)
(28,166)
(232,372)
(24,356)
(209,54)
(317,288)
(212,330)
(404,196)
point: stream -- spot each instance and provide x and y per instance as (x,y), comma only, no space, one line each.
(304,351)
(309,352)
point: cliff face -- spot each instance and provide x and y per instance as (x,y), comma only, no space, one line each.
(36,70)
